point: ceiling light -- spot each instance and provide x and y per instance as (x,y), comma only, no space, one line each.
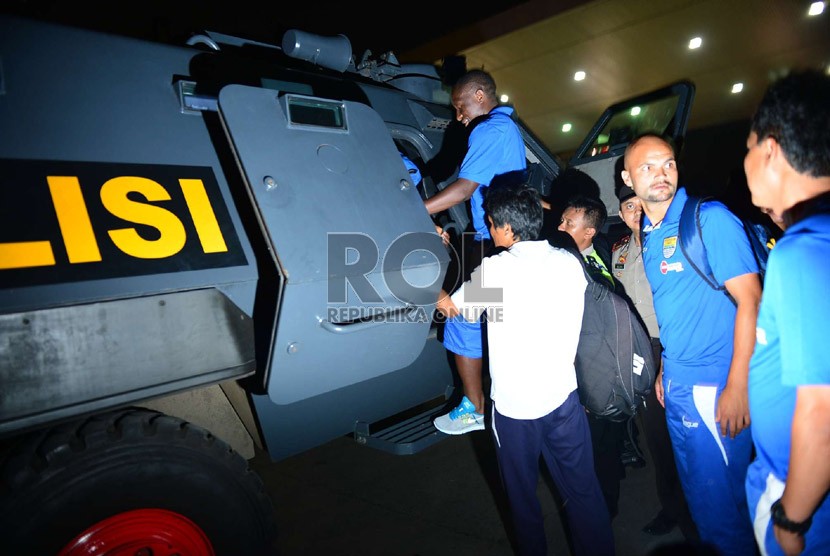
(737,88)
(695,43)
(635,111)
(566,128)
(504,98)
(579,76)
(816,8)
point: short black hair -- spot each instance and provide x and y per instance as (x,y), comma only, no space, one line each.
(480,79)
(795,111)
(595,213)
(517,205)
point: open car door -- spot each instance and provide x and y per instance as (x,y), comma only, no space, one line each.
(664,111)
(359,260)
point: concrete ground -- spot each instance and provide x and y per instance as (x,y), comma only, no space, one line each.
(346,499)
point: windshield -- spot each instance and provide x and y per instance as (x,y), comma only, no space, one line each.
(631,121)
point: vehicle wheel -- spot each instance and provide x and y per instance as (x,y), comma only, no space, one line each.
(131,482)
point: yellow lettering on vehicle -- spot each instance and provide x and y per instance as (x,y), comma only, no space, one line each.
(203,216)
(24,254)
(171,231)
(73,219)
(120,197)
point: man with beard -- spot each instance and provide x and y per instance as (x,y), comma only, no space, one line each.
(708,342)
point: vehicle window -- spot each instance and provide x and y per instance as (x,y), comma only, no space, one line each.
(630,121)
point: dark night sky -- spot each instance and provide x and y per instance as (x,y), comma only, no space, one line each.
(379,26)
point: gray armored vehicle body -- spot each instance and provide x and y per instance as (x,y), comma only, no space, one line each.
(177,279)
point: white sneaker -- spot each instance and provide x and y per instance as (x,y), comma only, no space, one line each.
(462,419)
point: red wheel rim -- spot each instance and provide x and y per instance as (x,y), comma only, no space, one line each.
(141,533)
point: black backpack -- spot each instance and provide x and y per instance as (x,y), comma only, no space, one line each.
(615,367)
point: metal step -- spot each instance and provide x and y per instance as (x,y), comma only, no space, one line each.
(404,438)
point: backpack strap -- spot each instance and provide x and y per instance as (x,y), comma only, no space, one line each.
(761,241)
(691,243)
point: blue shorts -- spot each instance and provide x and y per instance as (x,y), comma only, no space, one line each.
(463,337)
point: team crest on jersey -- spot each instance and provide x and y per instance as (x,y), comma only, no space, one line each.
(669,247)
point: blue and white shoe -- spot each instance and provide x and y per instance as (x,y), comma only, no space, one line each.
(462,419)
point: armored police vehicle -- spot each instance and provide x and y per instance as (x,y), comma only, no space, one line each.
(207,248)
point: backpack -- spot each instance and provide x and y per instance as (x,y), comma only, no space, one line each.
(615,367)
(691,243)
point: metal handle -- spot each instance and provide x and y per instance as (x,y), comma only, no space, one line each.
(367,322)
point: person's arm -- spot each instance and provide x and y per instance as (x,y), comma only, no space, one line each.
(733,406)
(445,236)
(452,306)
(445,305)
(659,391)
(808,479)
(457,192)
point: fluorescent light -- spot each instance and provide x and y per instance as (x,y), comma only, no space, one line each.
(504,98)
(695,43)
(816,8)
(737,88)
(566,128)
(579,76)
(635,111)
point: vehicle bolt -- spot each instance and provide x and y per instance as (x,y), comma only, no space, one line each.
(293,347)
(270,183)
(405,185)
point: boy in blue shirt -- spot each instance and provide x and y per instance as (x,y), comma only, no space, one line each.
(788,172)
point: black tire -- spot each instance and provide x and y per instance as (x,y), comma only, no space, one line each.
(55,484)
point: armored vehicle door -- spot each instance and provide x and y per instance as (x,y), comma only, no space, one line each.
(359,260)
(665,111)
